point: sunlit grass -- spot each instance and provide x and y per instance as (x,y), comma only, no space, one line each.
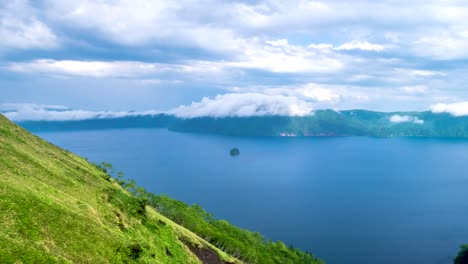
(58,208)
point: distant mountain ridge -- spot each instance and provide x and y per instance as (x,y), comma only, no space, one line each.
(320,123)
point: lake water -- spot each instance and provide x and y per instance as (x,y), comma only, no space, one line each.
(349,200)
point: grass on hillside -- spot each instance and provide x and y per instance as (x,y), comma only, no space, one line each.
(58,208)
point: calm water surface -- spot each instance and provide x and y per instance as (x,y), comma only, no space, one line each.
(348,200)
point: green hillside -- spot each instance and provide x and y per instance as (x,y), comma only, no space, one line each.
(58,208)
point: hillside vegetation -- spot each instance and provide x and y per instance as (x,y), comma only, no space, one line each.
(58,208)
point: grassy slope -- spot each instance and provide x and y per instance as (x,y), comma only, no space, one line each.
(58,208)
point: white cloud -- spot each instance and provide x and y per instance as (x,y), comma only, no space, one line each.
(424,73)
(310,91)
(274,58)
(143,22)
(19,28)
(281,57)
(9,107)
(321,46)
(343,97)
(360,45)
(399,118)
(415,89)
(418,73)
(86,68)
(405,119)
(418,121)
(24,35)
(455,109)
(101,69)
(245,104)
(353,45)
(320,94)
(241,38)
(126,22)
(437,30)
(34,112)
(359,77)
(323,96)
(158,81)
(443,44)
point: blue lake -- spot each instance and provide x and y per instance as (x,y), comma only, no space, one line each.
(349,200)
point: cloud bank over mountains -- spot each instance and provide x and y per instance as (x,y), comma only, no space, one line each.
(220,106)
(33,112)
(456,109)
(244,105)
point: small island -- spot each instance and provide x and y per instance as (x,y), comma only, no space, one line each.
(234,152)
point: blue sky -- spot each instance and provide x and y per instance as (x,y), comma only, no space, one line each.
(222,57)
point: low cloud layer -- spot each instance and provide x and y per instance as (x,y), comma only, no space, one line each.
(245,104)
(33,112)
(225,105)
(455,109)
(405,119)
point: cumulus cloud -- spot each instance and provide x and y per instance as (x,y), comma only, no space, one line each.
(245,104)
(406,119)
(35,112)
(280,56)
(455,109)
(360,45)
